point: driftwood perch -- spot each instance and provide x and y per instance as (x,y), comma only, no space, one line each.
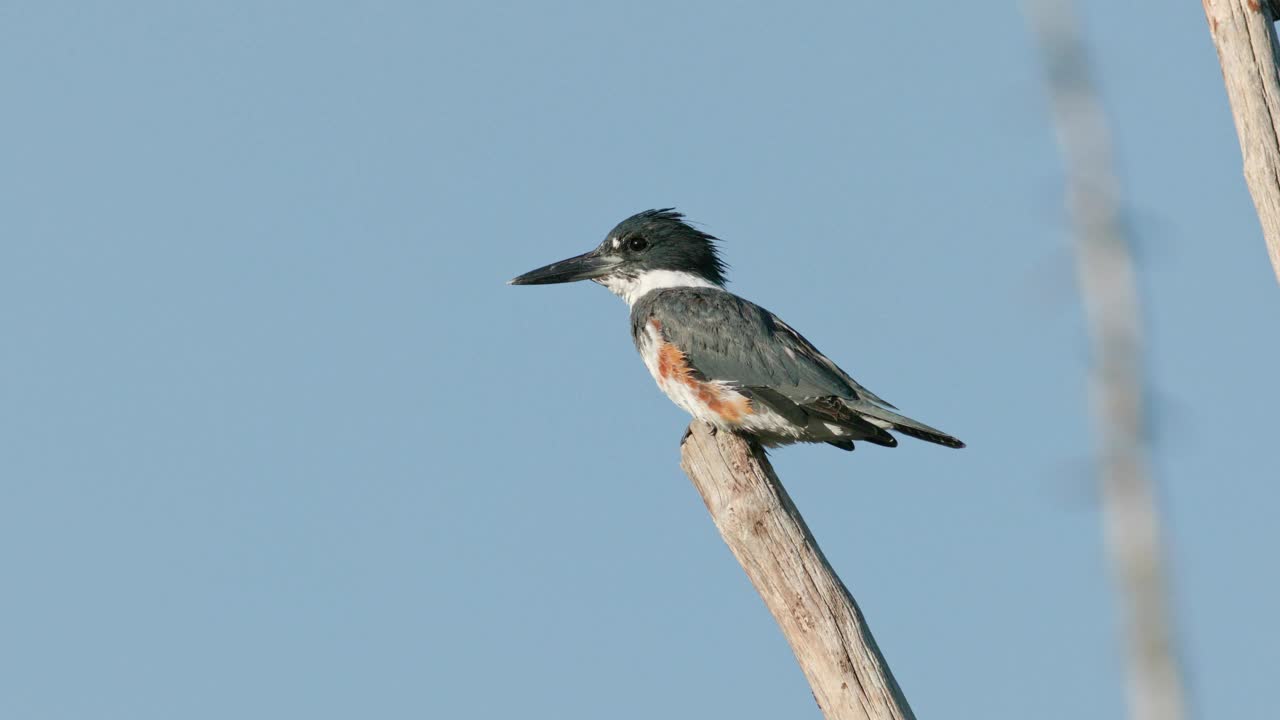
(849,677)
(1244,33)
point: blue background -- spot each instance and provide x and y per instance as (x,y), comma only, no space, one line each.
(277,441)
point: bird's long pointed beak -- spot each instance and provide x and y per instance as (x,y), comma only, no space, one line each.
(586,266)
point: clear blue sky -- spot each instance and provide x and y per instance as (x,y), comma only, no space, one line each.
(277,441)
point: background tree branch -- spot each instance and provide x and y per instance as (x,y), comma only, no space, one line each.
(1105,272)
(1244,33)
(849,677)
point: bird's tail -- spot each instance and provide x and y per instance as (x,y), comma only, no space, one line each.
(891,420)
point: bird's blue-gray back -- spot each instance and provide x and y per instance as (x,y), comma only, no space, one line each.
(727,338)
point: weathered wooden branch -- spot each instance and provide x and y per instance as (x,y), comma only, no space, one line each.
(1245,34)
(821,621)
(1108,289)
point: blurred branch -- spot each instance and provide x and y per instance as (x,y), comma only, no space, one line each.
(1244,33)
(849,677)
(1105,271)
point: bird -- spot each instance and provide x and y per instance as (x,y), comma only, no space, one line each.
(720,357)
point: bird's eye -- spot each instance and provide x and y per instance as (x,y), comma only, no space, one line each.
(637,243)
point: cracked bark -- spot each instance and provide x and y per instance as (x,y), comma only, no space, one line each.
(820,619)
(1244,34)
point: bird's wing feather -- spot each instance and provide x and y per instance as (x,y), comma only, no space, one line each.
(789,409)
(732,340)
(812,352)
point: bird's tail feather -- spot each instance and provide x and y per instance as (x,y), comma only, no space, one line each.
(905,425)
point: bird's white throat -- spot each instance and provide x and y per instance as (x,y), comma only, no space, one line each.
(632,287)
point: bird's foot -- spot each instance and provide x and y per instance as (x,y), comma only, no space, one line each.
(711,428)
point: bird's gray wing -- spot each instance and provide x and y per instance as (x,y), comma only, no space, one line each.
(807,348)
(726,338)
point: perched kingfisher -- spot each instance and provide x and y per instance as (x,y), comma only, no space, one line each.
(719,357)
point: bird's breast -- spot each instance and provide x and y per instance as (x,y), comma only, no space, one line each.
(708,400)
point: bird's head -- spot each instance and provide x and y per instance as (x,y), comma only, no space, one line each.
(655,248)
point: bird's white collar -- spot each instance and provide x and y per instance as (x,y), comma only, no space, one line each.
(633,287)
